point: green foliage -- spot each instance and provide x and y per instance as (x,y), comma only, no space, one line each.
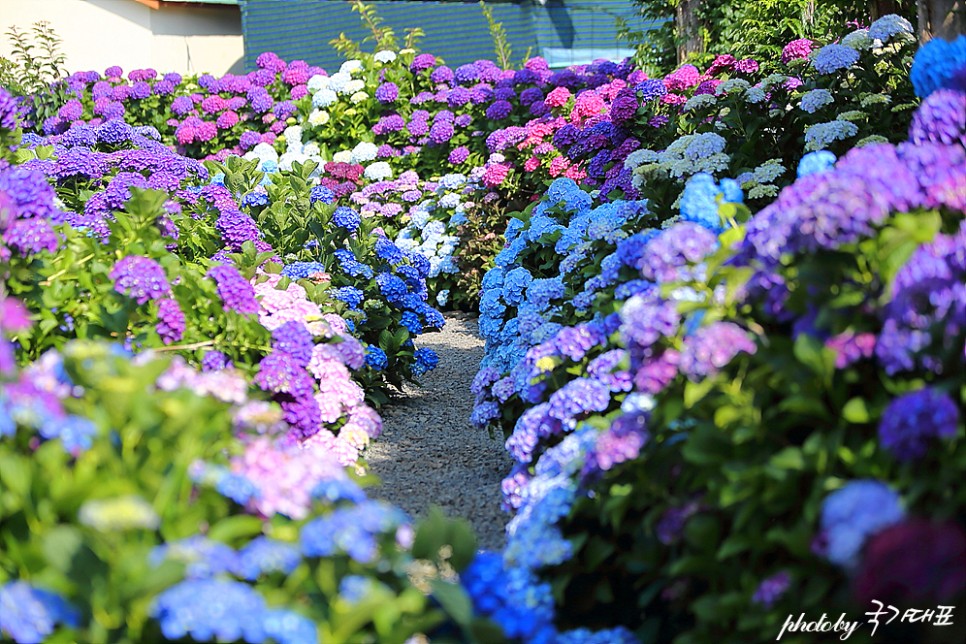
(743,29)
(501,46)
(35,68)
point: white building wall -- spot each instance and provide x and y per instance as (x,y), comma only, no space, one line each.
(99,33)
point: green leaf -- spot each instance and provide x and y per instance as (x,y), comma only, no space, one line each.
(789,458)
(454,601)
(856,411)
(235,527)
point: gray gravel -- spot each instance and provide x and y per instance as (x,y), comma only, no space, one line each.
(429,453)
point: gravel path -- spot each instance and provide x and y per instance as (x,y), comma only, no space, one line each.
(429,453)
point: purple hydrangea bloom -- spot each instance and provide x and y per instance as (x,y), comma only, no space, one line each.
(171,321)
(140,278)
(912,420)
(771,589)
(459,155)
(712,347)
(422,62)
(280,372)
(387,93)
(294,339)
(441,132)
(940,119)
(30,236)
(234,290)
(620,443)
(499,110)
(215,361)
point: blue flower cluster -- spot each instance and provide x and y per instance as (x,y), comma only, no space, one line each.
(227,611)
(353,530)
(28,614)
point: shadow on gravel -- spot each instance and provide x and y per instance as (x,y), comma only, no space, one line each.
(429,453)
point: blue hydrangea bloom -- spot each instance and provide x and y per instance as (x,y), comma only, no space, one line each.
(834,57)
(818,161)
(854,513)
(29,615)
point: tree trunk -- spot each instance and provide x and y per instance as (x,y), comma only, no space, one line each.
(688,29)
(941,19)
(879,8)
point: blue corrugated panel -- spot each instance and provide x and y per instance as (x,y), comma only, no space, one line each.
(456,32)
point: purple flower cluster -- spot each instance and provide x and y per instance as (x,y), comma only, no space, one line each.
(913,420)
(234,290)
(140,278)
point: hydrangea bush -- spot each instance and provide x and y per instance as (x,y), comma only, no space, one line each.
(754,411)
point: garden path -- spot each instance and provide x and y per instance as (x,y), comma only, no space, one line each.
(429,452)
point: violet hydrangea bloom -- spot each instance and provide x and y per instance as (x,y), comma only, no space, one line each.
(713,347)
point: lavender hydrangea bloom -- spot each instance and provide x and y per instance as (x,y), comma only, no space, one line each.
(577,397)
(645,319)
(912,420)
(667,256)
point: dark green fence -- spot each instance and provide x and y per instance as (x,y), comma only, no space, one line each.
(564,32)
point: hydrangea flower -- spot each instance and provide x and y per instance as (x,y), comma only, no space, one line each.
(29,614)
(911,421)
(852,514)
(233,289)
(832,58)
(140,278)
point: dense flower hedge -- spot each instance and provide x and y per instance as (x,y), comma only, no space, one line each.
(729,418)
(731,394)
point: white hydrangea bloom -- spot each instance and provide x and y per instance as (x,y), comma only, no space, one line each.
(353,86)
(350,66)
(363,152)
(385,56)
(318,117)
(286,160)
(345,156)
(318,82)
(311,149)
(358,97)
(293,134)
(324,98)
(262,152)
(337,82)
(379,171)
